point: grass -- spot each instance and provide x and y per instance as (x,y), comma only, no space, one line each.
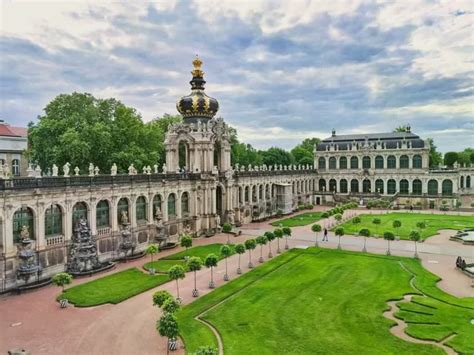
(434,222)
(113,288)
(299,220)
(327,300)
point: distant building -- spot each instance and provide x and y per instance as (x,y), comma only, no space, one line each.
(13,142)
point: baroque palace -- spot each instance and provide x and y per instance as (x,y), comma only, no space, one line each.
(197,189)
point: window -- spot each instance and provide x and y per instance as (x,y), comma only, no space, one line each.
(254,193)
(171,206)
(391,162)
(366,163)
(247,193)
(404,162)
(391,187)
(343,186)
(322,185)
(332,163)
(102,214)
(379,162)
(53,221)
(322,163)
(23,217)
(140,209)
(462,182)
(343,163)
(16,167)
(79,211)
(404,186)
(354,185)
(416,187)
(468,182)
(366,186)
(447,187)
(122,207)
(417,162)
(379,186)
(184,204)
(432,187)
(354,163)
(240,194)
(332,185)
(260,192)
(157,207)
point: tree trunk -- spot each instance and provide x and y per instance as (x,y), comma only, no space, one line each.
(226,265)
(195,280)
(239,261)
(177,288)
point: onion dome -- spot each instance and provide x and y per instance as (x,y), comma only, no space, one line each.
(197,105)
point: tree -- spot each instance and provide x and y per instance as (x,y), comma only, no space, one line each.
(170,305)
(206,350)
(338,217)
(270,237)
(450,158)
(244,155)
(286,233)
(167,326)
(239,249)
(365,233)
(420,226)
(250,245)
(405,128)
(376,221)
(435,157)
(151,250)
(194,265)
(397,224)
(278,233)
(211,262)
(388,236)
(415,236)
(226,251)
(356,220)
(62,279)
(227,228)
(160,297)
(316,228)
(276,155)
(261,240)
(339,232)
(303,153)
(176,272)
(186,242)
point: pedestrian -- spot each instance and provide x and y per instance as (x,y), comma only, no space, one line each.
(411,208)
(325,236)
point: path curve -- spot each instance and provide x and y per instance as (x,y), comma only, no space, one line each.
(214,330)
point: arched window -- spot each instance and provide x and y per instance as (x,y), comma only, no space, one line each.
(140,209)
(103,214)
(53,221)
(15,167)
(122,207)
(157,207)
(23,217)
(183,155)
(267,192)
(217,155)
(417,162)
(391,162)
(432,187)
(447,187)
(260,192)
(354,185)
(240,195)
(391,187)
(343,186)
(171,206)
(79,211)
(366,163)
(342,163)
(254,193)
(185,204)
(379,162)
(354,163)
(416,187)
(366,186)
(379,186)
(332,185)
(322,185)
(462,182)
(468,182)
(247,189)
(332,163)
(404,186)
(404,162)
(322,163)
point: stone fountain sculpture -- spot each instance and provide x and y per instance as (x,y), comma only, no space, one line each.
(162,235)
(128,244)
(28,266)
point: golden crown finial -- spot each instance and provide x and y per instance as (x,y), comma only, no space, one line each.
(197,72)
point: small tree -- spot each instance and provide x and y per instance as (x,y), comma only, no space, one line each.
(194,265)
(396,224)
(356,220)
(170,305)
(261,240)
(376,221)
(339,232)
(388,236)
(227,228)
(167,326)
(365,233)
(186,242)
(270,237)
(239,249)
(226,251)
(151,250)
(286,233)
(279,234)
(206,350)
(415,236)
(160,297)
(250,245)
(62,279)
(176,272)
(316,228)
(211,262)
(338,217)
(420,226)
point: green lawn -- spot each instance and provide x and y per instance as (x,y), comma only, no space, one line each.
(299,220)
(434,222)
(113,288)
(323,301)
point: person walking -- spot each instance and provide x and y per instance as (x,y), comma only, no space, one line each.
(325,235)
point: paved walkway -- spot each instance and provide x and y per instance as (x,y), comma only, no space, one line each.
(34,321)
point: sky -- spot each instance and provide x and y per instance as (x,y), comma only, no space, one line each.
(282,71)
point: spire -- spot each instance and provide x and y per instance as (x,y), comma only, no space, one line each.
(197,83)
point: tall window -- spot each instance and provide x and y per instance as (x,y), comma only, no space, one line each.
(354,163)
(379,186)
(332,163)
(102,214)
(366,185)
(140,209)
(416,187)
(122,207)
(417,162)
(171,206)
(343,186)
(366,163)
(379,162)
(342,163)
(332,185)
(354,185)
(322,163)
(432,187)
(53,221)
(185,204)
(156,205)
(468,182)
(447,187)
(404,162)
(79,211)
(391,162)
(391,187)
(462,182)
(404,186)
(16,167)
(322,185)
(247,190)
(23,217)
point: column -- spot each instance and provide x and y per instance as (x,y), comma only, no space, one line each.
(93,217)
(149,211)
(165,206)
(178,204)
(8,228)
(39,228)
(113,214)
(68,220)
(133,211)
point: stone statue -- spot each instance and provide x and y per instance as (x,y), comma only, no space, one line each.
(155,168)
(30,172)
(1,172)
(231,217)
(164,168)
(96,170)
(66,168)
(218,220)
(77,171)
(24,233)
(113,169)
(55,170)
(124,217)
(91,169)
(131,170)
(38,171)
(7,171)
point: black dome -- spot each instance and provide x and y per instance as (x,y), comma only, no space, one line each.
(197,105)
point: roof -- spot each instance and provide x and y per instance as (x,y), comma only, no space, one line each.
(9,131)
(370,137)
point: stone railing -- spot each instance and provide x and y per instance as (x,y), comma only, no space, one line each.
(104,231)
(55,240)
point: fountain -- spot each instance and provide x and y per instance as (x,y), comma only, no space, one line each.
(465,236)
(162,236)
(83,258)
(128,244)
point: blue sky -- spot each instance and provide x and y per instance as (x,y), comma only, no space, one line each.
(281,70)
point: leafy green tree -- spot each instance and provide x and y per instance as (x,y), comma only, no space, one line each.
(316,228)
(261,240)
(151,250)
(186,242)
(397,224)
(211,262)
(339,232)
(365,233)
(239,249)
(176,272)
(388,236)
(377,222)
(170,305)
(278,233)
(435,157)
(415,236)
(302,156)
(270,237)
(275,155)
(244,155)
(250,245)
(356,220)
(62,279)
(167,326)
(450,158)
(402,128)
(194,265)
(226,251)
(338,217)
(206,350)
(160,297)
(420,226)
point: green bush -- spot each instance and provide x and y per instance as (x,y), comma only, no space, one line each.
(324,215)
(227,227)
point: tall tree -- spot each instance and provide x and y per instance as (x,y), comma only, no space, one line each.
(303,153)
(435,157)
(450,158)
(275,155)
